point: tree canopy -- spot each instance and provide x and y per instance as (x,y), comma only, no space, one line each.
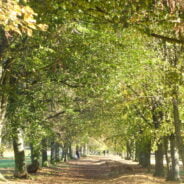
(82,70)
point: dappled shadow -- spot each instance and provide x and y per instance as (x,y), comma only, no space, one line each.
(8,172)
(98,170)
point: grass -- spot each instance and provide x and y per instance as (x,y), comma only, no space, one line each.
(9,162)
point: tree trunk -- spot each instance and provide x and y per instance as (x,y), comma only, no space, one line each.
(177,125)
(20,163)
(70,152)
(145,159)
(159,156)
(136,151)
(56,149)
(128,154)
(52,158)
(64,155)
(130,150)
(65,152)
(173,173)
(44,153)
(35,155)
(4,80)
(61,156)
(144,154)
(2,119)
(157,117)
(166,152)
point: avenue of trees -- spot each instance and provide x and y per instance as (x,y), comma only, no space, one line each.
(72,71)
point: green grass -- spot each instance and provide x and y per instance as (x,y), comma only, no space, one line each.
(4,163)
(10,163)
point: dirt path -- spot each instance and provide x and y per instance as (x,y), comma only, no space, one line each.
(92,170)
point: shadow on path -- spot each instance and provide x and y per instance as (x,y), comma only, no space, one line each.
(92,170)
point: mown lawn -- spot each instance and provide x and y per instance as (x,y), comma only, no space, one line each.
(8,162)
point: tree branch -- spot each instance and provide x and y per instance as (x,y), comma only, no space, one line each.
(61,112)
(168,39)
(55,115)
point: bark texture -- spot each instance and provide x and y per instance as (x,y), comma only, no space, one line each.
(44,153)
(52,158)
(56,147)
(159,156)
(144,154)
(173,174)
(177,125)
(35,155)
(20,163)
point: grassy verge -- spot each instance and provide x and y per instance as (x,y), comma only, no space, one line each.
(8,162)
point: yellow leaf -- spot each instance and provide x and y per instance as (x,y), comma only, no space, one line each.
(43,27)
(29,32)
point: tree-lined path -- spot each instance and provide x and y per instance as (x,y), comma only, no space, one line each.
(84,77)
(94,169)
